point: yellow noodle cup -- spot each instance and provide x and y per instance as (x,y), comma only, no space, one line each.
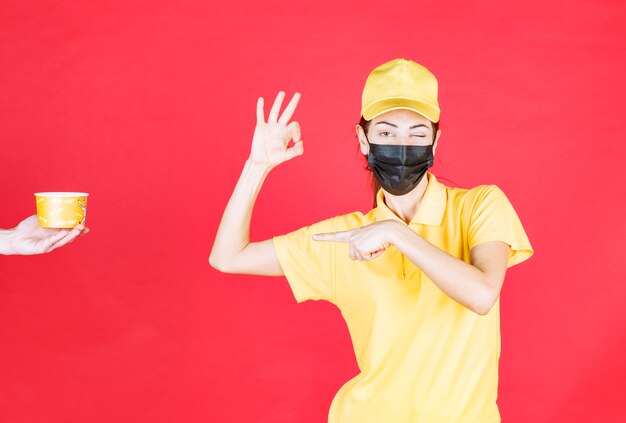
(61,209)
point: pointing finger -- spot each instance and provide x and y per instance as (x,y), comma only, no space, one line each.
(341,236)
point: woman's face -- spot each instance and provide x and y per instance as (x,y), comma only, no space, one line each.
(398,127)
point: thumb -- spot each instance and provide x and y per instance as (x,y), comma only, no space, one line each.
(375,254)
(294,131)
(296,150)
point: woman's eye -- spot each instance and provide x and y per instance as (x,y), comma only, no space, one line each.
(387,132)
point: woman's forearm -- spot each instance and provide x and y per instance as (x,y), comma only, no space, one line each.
(233,233)
(459,280)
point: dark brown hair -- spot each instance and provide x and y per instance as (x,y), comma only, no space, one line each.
(365,124)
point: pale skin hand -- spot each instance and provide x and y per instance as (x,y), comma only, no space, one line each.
(232,250)
(28,238)
(365,243)
(270,139)
(476,285)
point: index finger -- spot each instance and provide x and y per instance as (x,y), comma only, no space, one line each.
(341,236)
(260,113)
(291,107)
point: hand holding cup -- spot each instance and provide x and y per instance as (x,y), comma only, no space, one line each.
(29,238)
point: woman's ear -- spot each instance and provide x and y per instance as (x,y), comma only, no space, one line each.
(436,139)
(363,144)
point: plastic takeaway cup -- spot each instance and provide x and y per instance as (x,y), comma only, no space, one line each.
(61,209)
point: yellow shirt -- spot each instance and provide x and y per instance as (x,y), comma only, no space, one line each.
(424,358)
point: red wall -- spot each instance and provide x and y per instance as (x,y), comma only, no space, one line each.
(150,107)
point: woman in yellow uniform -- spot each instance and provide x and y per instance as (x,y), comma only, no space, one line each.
(417,278)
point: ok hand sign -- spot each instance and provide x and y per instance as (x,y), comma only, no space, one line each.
(366,242)
(271,138)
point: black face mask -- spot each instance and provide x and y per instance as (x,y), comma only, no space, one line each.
(399,168)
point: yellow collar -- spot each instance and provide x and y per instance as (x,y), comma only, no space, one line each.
(429,212)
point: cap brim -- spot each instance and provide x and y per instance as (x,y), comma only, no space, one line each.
(387,104)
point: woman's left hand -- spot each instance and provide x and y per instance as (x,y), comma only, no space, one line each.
(366,242)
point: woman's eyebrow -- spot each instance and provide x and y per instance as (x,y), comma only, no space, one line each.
(395,126)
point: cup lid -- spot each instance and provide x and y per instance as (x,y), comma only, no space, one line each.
(62,194)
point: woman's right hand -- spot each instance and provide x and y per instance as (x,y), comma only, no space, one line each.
(271,138)
(30,238)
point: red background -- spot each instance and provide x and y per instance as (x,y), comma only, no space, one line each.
(150,107)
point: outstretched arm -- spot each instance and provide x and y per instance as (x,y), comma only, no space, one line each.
(29,238)
(232,250)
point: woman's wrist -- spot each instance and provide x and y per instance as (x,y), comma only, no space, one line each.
(257,167)
(6,241)
(396,232)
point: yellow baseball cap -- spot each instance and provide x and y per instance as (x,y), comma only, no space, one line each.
(400,84)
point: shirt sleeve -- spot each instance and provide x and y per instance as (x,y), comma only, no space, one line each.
(493,218)
(308,265)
